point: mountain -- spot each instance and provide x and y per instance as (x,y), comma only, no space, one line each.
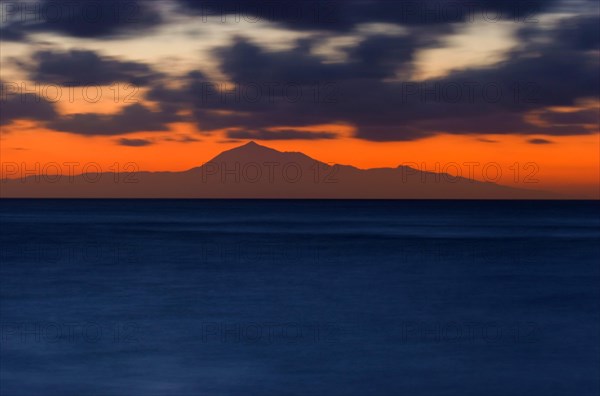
(255,171)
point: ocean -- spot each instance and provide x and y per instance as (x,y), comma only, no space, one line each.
(286,297)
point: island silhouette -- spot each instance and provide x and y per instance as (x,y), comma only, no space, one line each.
(253,171)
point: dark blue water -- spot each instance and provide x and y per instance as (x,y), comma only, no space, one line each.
(363,298)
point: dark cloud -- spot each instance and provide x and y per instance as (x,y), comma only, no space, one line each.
(340,15)
(582,117)
(18,105)
(580,32)
(83,67)
(539,141)
(493,99)
(493,123)
(552,65)
(183,139)
(376,57)
(134,118)
(245,62)
(102,19)
(12,32)
(107,19)
(274,88)
(289,134)
(134,142)
(15,105)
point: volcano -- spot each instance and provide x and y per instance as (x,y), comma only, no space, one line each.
(253,171)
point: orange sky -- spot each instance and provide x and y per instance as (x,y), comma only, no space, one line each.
(570,165)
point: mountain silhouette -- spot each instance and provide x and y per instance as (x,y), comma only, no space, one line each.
(255,171)
(253,152)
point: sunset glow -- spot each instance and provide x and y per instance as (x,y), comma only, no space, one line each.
(140,67)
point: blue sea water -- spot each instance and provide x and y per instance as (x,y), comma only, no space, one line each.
(200,297)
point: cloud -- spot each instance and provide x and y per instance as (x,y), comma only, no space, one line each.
(110,19)
(15,105)
(581,117)
(134,142)
(84,67)
(344,15)
(12,32)
(89,19)
(550,65)
(272,88)
(289,134)
(182,139)
(496,99)
(581,32)
(134,118)
(376,57)
(539,141)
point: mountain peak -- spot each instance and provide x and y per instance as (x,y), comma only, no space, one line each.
(251,146)
(247,152)
(254,152)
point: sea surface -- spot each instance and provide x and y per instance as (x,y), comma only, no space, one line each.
(201,297)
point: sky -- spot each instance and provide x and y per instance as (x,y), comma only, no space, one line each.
(497,90)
